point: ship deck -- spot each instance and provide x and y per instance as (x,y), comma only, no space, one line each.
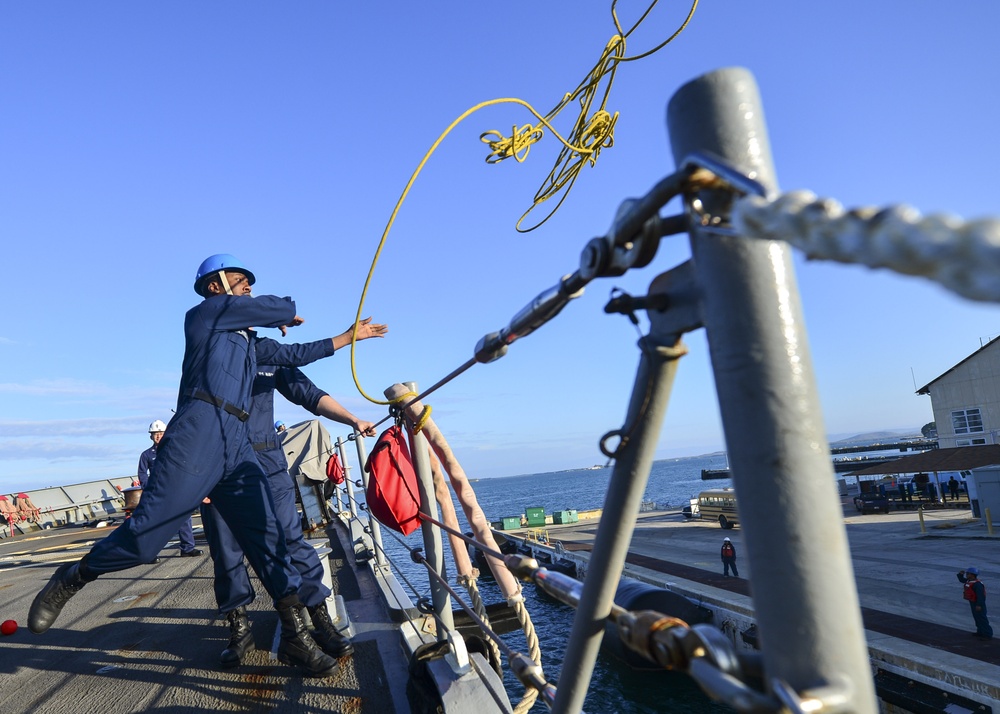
(148,640)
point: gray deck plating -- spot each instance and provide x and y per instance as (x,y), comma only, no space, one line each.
(148,640)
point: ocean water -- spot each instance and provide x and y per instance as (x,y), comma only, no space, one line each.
(614,688)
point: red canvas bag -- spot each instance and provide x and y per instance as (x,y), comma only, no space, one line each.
(334,471)
(392,494)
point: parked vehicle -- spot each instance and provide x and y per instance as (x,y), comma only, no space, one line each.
(872,502)
(719,504)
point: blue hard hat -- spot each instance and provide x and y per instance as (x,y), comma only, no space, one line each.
(973,571)
(278,424)
(213,264)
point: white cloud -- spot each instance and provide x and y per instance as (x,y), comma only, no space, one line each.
(73,427)
(54,387)
(61,450)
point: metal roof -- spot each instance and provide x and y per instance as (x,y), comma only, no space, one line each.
(926,389)
(960,458)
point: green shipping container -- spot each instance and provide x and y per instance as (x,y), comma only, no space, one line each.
(510,523)
(563,517)
(535,516)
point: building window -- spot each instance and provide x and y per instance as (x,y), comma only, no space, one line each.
(970,442)
(967,421)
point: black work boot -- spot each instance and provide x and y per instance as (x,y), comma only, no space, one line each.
(240,638)
(64,584)
(325,633)
(297,647)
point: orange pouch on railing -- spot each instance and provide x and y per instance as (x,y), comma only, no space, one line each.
(392,493)
(334,471)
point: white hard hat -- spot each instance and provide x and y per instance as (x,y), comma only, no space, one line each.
(726,540)
(157,426)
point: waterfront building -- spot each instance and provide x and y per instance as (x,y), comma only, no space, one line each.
(966,399)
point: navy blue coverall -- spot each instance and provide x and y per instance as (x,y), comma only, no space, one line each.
(206,448)
(232,582)
(978,606)
(186,532)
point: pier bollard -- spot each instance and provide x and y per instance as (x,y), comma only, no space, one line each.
(920,515)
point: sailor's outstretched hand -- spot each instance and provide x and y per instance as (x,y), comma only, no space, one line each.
(367,328)
(365,428)
(296,321)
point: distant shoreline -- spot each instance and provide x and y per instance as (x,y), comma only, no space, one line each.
(871,437)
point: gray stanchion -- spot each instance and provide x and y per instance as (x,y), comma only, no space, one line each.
(804,592)
(337,488)
(433,547)
(373,525)
(647,407)
(348,484)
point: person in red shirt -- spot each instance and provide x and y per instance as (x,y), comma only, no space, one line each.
(729,558)
(975,592)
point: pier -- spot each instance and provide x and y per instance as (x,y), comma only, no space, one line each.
(907,445)
(917,625)
(848,465)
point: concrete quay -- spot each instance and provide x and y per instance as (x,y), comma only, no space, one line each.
(918,627)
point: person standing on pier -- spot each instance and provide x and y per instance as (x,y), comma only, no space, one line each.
(975,592)
(729,558)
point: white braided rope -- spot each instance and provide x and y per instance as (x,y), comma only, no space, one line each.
(480,609)
(963,256)
(534,651)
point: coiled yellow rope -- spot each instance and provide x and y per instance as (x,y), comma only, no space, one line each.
(592,131)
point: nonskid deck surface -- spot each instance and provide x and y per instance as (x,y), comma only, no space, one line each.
(148,640)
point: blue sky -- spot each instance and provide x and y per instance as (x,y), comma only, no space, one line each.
(138,138)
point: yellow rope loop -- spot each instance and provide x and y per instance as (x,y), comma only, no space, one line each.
(424,416)
(590,135)
(599,134)
(403,397)
(591,132)
(515,146)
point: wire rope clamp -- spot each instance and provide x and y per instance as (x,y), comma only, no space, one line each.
(713,185)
